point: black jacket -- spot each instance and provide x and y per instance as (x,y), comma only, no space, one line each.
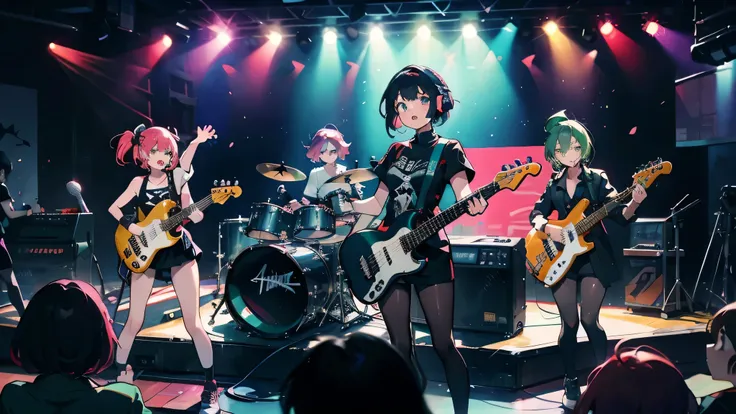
(596,187)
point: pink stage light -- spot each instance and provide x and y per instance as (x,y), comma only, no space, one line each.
(166,40)
(606,29)
(224,38)
(652,28)
(52,46)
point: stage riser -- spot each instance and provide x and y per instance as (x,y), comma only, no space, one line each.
(502,370)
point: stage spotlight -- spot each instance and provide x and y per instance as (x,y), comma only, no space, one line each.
(376,34)
(352,33)
(274,37)
(606,28)
(52,46)
(224,38)
(469,31)
(304,39)
(166,40)
(330,36)
(652,28)
(550,28)
(424,33)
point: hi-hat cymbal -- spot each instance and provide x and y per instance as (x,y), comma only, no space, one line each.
(358,175)
(280,172)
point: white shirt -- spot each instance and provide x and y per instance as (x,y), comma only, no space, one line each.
(316,187)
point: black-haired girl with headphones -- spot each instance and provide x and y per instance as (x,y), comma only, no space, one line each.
(569,148)
(155,150)
(418,98)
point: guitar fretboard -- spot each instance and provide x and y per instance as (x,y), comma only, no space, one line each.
(411,241)
(590,221)
(175,220)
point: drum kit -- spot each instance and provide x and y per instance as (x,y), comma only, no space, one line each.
(283,271)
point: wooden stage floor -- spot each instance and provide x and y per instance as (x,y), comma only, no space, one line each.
(541,331)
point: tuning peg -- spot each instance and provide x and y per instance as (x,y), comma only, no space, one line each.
(222,183)
(528,160)
(215,183)
(504,167)
(236,182)
(518,162)
(227,183)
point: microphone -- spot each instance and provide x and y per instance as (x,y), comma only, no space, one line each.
(373,161)
(75,190)
(356,164)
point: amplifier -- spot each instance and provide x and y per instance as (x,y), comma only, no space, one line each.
(51,227)
(490,287)
(48,247)
(649,281)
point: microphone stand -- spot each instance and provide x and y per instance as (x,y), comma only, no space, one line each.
(678,287)
(84,209)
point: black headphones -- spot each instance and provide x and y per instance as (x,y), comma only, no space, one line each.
(447,102)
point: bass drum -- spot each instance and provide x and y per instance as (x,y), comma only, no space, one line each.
(275,289)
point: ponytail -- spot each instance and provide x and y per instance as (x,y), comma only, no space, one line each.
(125,144)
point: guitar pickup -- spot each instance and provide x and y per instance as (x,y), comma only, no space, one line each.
(127,253)
(144,242)
(388,257)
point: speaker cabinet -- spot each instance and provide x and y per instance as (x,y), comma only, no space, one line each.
(490,287)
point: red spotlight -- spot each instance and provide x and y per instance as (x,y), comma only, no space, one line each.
(606,29)
(52,46)
(166,40)
(651,28)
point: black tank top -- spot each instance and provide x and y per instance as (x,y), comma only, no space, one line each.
(149,198)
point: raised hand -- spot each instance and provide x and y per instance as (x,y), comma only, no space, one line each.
(126,376)
(204,134)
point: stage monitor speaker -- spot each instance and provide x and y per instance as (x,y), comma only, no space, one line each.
(490,285)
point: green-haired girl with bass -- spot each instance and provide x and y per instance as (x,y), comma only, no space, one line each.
(569,148)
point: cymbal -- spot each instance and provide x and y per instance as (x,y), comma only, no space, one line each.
(280,172)
(358,175)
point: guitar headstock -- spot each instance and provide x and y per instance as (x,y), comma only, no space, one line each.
(646,174)
(224,191)
(512,176)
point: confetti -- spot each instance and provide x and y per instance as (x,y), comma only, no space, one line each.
(633,131)
(662,103)
(230,92)
(231,145)
(19,160)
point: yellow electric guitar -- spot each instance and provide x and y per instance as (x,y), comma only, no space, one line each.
(549,261)
(159,229)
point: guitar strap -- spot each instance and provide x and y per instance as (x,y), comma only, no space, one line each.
(431,168)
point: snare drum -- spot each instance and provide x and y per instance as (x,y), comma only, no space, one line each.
(314,222)
(270,222)
(338,200)
(276,289)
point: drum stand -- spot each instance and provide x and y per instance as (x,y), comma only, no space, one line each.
(340,294)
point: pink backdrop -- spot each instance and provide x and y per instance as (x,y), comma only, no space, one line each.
(508,211)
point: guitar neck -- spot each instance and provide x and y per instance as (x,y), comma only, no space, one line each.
(590,221)
(432,226)
(175,220)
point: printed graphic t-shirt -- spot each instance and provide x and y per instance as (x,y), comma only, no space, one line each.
(403,168)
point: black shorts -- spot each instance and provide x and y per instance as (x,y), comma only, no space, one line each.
(5,261)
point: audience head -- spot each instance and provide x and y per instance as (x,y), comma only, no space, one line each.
(637,380)
(65,330)
(721,354)
(357,374)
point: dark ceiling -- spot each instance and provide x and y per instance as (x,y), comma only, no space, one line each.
(244,17)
